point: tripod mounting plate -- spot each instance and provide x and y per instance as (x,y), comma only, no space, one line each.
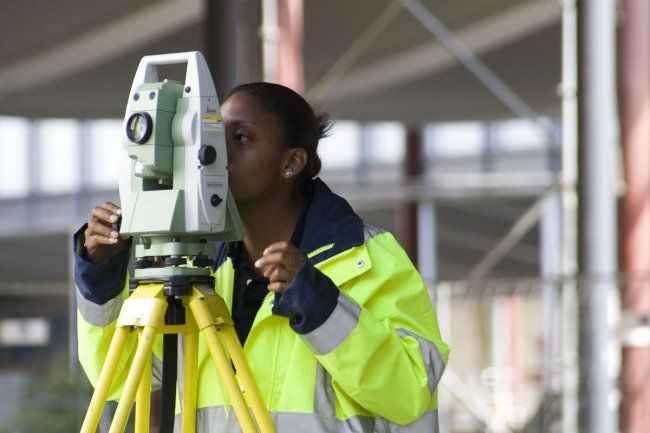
(168,246)
(160,274)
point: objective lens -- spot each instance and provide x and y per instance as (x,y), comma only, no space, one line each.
(138,127)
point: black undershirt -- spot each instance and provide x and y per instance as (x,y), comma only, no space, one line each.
(249,287)
(249,290)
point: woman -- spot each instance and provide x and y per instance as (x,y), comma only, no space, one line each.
(335,321)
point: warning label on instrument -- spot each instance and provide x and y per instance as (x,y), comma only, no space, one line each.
(211,122)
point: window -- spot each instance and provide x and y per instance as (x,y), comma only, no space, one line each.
(519,135)
(58,154)
(14,157)
(342,149)
(454,139)
(388,142)
(106,153)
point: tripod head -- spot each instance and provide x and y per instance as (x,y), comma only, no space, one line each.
(177,199)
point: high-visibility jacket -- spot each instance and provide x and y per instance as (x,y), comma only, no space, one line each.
(372,365)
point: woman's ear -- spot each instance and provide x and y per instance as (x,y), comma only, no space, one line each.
(295,162)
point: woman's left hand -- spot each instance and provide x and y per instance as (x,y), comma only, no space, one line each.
(280,263)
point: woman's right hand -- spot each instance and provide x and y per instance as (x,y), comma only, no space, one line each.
(102,240)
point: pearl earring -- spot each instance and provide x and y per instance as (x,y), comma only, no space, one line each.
(288,173)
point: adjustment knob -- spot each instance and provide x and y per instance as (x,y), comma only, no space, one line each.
(207,155)
(215,200)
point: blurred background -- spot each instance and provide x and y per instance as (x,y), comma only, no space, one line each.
(505,142)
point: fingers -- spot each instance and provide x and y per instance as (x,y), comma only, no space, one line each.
(280,263)
(278,286)
(278,273)
(108,213)
(112,207)
(102,239)
(100,230)
(278,246)
(98,234)
(290,260)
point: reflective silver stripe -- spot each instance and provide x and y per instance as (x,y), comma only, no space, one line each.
(214,420)
(180,366)
(177,421)
(336,328)
(305,422)
(211,419)
(156,372)
(99,315)
(156,382)
(432,358)
(428,422)
(324,397)
(370,232)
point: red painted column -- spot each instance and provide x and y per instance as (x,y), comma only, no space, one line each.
(406,218)
(290,62)
(634,85)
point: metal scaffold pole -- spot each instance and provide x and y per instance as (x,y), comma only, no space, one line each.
(569,199)
(599,306)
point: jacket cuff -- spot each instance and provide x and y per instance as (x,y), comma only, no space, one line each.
(98,283)
(309,300)
(336,328)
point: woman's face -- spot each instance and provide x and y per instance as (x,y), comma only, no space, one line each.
(255,151)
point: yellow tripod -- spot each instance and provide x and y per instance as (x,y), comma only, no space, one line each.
(143,312)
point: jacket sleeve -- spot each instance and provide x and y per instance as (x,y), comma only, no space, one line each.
(100,292)
(376,334)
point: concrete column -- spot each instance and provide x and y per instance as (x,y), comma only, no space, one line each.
(234,56)
(220,42)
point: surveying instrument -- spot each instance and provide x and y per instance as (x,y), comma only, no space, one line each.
(178,203)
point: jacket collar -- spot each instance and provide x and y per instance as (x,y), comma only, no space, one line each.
(330,225)
(329,220)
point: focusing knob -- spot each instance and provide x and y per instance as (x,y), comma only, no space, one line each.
(207,155)
(215,200)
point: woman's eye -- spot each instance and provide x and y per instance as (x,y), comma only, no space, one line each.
(241,138)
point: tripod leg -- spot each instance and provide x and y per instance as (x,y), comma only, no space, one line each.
(229,337)
(143,399)
(190,375)
(142,355)
(228,380)
(205,321)
(105,380)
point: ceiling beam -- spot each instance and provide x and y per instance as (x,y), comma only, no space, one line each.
(427,59)
(99,46)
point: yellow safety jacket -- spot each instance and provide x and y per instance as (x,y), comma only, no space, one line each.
(372,366)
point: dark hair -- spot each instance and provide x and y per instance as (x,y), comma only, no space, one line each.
(301,126)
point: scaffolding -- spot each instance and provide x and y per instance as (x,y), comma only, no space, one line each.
(530,362)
